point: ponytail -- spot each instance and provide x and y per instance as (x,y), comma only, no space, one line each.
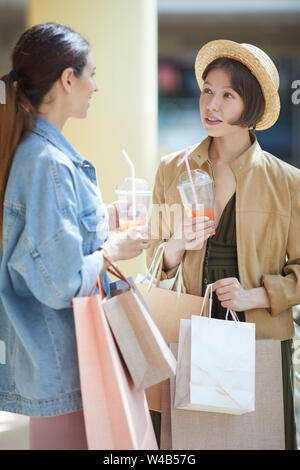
(16,120)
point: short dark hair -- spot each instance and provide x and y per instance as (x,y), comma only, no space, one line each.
(246,85)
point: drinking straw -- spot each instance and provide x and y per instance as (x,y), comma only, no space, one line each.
(190,177)
(133,182)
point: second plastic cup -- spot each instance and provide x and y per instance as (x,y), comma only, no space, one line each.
(203,191)
(126,208)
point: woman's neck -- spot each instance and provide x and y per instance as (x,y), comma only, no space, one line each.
(228,148)
(54,113)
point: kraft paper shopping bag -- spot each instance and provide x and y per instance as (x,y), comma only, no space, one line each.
(116,413)
(153,275)
(145,352)
(167,307)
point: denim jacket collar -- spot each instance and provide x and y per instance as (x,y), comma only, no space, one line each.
(47,130)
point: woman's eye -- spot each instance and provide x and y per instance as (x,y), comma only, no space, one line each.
(207,90)
(228,95)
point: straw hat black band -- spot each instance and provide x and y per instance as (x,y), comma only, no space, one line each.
(259,64)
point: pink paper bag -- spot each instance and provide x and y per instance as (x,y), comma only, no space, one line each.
(116,413)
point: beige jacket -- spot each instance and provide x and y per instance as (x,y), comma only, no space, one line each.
(267,230)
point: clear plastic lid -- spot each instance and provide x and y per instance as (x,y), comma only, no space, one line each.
(141,187)
(199,178)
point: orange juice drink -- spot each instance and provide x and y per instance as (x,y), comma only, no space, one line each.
(202,213)
(132,211)
(125,224)
(196,190)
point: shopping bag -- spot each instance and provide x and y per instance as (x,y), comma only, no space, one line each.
(166,427)
(216,364)
(116,413)
(263,429)
(167,308)
(153,275)
(145,352)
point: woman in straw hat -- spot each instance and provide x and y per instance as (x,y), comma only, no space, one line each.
(53,223)
(251,252)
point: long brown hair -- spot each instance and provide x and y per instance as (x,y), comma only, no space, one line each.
(38,59)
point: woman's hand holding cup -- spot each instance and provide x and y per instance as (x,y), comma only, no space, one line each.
(189,235)
(192,232)
(128,244)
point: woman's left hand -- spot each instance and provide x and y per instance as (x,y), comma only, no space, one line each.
(232,295)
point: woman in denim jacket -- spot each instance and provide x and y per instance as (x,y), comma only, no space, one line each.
(53,224)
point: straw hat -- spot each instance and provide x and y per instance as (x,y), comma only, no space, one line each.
(257,61)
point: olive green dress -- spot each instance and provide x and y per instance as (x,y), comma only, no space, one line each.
(221,262)
(220,259)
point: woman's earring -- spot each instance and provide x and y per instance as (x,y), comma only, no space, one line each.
(254,127)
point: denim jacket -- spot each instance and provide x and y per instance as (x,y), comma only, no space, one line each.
(54,219)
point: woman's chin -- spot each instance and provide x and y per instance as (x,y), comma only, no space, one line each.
(214,131)
(81,115)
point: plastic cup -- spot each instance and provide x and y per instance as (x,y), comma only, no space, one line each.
(130,215)
(204,193)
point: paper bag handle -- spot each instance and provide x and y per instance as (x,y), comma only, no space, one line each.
(156,268)
(113,269)
(233,314)
(156,260)
(209,290)
(100,288)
